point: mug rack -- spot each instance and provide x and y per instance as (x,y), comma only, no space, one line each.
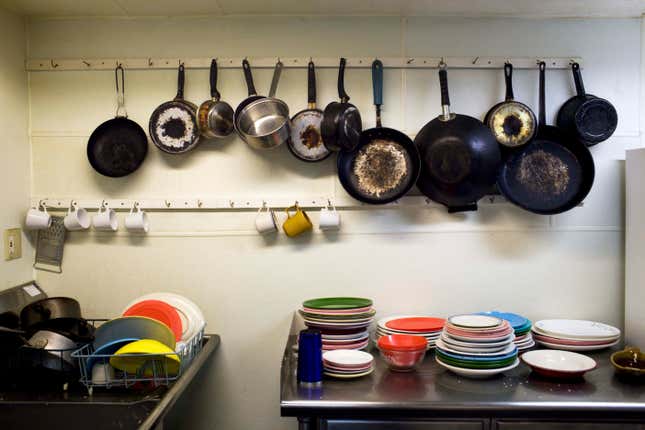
(150,63)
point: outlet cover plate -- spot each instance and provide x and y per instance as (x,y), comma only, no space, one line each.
(12,244)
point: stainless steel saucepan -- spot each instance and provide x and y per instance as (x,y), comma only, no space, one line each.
(265,123)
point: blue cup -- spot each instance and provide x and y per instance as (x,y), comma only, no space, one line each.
(310,367)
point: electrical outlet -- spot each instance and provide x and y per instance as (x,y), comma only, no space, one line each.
(12,244)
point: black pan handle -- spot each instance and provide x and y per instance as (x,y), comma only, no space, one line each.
(311,85)
(248,77)
(377,88)
(213,80)
(180,82)
(445,94)
(344,98)
(462,208)
(508,77)
(577,79)
(120,92)
(542,108)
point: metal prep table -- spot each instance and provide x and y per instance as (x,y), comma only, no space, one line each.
(434,398)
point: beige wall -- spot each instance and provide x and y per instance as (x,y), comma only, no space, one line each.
(15,164)
(413,260)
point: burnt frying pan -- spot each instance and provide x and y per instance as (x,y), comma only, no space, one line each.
(342,125)
(459,156)
(551,174)
(385,164)
(589,118)
(306,142)
(253,95)
(118,146)
(173,125)
(512,123)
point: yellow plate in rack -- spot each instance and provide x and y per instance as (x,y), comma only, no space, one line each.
(147,357)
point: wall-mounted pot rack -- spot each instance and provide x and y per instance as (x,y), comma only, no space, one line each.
(67,64)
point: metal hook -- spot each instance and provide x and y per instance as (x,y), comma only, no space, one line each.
(54,65)
(199,203)
(42,203)
(231,203)
(104,204)
(474,61)
(264,204)
(410,61)
(86,63)
(442,64)
(167,203)
(311,60)
(150,63)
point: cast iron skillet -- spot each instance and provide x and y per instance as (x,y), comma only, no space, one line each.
(118,146)
(459,157)
(342,125)
(512,123)
(382,152)
(589,118)
(551,174)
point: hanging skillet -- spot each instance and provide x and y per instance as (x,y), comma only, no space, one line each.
(306,142)
(173,125)
(385,164)
(589,118)
(459,156)
(118,146)
(512,123)
(552,173)
(342,125)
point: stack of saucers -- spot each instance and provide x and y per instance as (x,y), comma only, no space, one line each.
(347,363)
(575,335)
(477,346)
(343,321)
(418,325)
(521,325)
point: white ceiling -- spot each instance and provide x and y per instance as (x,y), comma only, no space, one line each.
(520,8)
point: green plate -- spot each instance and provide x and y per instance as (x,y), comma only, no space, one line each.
(475,364)
(337,303)
(337,317)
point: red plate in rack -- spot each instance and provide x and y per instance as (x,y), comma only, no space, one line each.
(416,324)
(157,310)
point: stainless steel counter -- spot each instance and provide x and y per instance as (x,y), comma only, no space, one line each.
(433,392)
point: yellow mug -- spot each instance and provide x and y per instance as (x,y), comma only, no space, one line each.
(297,223)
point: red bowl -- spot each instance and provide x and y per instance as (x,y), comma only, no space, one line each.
(403,361)
(402,342)
(157,310)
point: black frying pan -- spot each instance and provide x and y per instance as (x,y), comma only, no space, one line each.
(385,164)
(551,174)
(342,125)
(118,146)
(589,118)
(253,95)
(459,156)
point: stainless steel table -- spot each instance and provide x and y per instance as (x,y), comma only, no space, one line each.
(434,398)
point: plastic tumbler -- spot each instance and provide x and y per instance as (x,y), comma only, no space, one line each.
(310,357)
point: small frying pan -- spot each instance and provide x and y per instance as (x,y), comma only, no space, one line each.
(253,95)
(385,164)
(552,173)
(118,146)
(173,125)
(512,123)
(214,116)
(342,125)
(306,142)
(589,118)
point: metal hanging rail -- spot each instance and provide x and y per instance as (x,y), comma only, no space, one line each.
(67,64)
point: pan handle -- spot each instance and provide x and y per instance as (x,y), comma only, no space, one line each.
(377,87)
(248,77)
(462,208)
(120,92)
(542,108)
(577,79)
(181,78)
(277,71)
(311,85)
(445,95)
(344,98)
(508,77)
(213,80)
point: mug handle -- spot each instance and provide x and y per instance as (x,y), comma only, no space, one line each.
(294,207)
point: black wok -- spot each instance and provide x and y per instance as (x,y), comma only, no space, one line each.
(341,125)
(459,157)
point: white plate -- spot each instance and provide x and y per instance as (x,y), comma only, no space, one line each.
(480,341)
(477,373)
(525,346)
(475,321)
(583,329)
(347,357)
(192,318)
(576,347)
(559,361)
(599,339)
(348,375)
(510,348)
(472,346)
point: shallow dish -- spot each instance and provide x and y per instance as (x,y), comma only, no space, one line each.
(502,340)
(133,327)
(508,351)
(477,373)
(475,321)
(157,310)
(475,346)
(347,358)
(575,347)
(559,341)
(630,362)
(468,364)
(515,320)
(539,332)
(558,364)
(416,324)
(579,329)
(148,357)
(348,375)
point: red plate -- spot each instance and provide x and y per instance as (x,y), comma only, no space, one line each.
(157,310)
(417,324)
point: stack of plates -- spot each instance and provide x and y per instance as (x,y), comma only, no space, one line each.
(521,325)
(477,346)
(342,321)
(418,325)
(347,363)
(575,335)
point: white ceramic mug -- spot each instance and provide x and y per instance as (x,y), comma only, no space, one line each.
(105,219)
(329,218)
(265,221)
(102,373)
(37,219)
(76,218)
(137,220)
